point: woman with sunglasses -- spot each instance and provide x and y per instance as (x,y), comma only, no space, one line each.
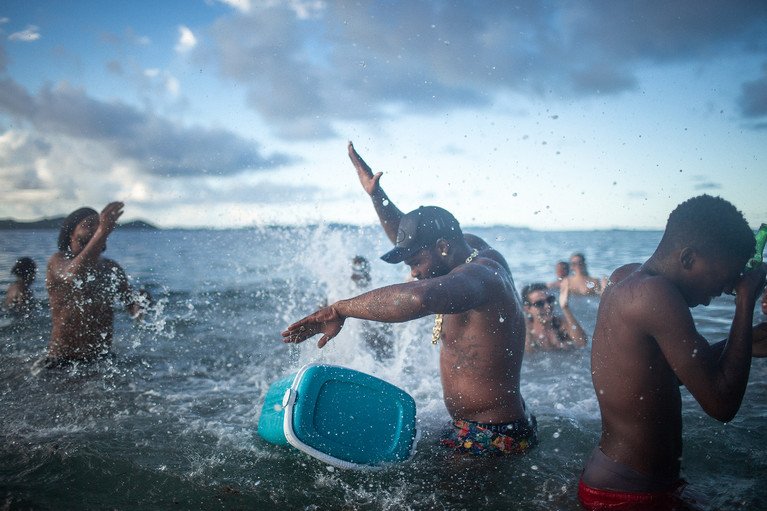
(545,330)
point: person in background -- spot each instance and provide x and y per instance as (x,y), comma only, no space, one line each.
(580,282)
(361,272)
(545,330)
(378,336)
(645,346)
(562,271)
(19,298)
(83,286)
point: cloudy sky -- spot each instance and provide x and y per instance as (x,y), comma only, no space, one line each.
(227,113)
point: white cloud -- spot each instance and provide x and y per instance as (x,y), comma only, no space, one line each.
(307,9)
(161,146)
(31,33)
(172,85)
(240,5)
(186,40)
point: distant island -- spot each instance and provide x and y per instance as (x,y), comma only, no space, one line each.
(54,224)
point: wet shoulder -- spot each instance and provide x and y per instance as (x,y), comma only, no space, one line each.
(623,272)
(641,292)
(492,262)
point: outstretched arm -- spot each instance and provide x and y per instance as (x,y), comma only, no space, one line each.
(388,214)
(456,292)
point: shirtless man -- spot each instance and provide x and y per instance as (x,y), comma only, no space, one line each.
(546,331)
(83,286)
(581,283)
(562,271)
(479,322)
(19,298)
(645,346)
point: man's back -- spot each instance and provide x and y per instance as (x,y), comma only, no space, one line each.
(637,390)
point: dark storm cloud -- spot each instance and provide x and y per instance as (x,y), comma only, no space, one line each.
(163,148)
(753,98)
(353,60)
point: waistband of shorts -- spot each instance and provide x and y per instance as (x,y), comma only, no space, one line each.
(509,428)
(590,497)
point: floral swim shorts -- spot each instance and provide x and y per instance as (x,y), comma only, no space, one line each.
(492,439)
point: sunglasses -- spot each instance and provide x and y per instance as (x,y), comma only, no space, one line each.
(541,303)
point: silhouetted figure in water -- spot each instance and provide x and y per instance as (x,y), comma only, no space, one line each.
(19,298)
(378,336)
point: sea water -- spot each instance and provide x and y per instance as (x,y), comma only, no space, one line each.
(171,421)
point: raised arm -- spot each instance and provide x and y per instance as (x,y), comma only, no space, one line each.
(388,214)
(78,266)
(716,376)
(570,324)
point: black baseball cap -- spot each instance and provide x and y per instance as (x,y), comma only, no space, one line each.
(419,229)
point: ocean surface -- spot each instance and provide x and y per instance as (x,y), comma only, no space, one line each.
(171,421)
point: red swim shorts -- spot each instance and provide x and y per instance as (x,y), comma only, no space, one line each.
(674,498)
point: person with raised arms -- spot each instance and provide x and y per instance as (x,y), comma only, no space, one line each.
(479,321)
(645,346)
(545,330)
(83,286)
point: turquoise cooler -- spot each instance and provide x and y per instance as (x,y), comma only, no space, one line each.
(340,416)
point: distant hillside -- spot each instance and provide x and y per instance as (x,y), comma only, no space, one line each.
(54,224)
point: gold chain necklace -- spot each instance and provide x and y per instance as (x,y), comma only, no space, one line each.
(438,318)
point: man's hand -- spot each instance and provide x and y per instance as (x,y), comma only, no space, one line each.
(751,284)
(142,302)
(109,216)
(326,321)
(367,179)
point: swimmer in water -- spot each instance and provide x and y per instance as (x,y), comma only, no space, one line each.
(545,330)
(83,286)
(580,282)
(562,271)
(19,298)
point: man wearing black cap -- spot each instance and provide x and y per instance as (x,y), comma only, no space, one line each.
(479,321)
(83,286)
